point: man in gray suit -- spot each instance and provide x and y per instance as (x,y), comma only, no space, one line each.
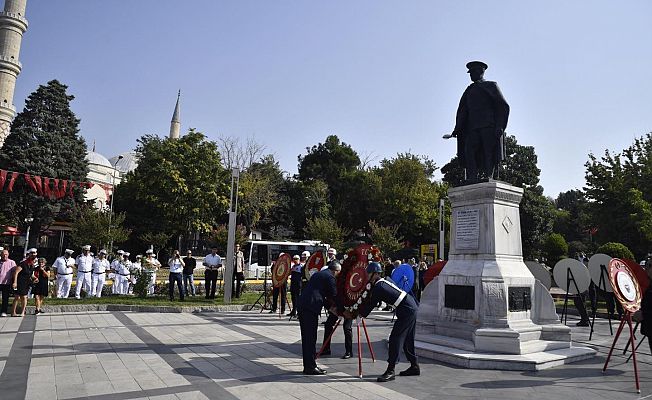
(480,125)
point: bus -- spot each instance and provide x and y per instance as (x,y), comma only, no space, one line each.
(262,253)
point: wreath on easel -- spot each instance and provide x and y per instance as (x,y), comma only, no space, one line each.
(352,284)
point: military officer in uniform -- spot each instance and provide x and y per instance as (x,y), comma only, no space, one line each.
(100,265)
(115,268)
(84,264)
(295,283)
(63,267)
(320,291)
(125,274)
(384,289)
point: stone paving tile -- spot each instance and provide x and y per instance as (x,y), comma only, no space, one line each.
(257,356)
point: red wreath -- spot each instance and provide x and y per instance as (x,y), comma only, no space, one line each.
(281,270)
(314,264)
(352,286)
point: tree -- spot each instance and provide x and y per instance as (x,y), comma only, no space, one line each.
(44,141)
(619,193)
(220,235)
(385,237)
(409,198)
(571,219)
(178,187)
(555,248)
(616,250)
(326,230)
(519,169)
(260,186)
(235,153)
(97,227)
(328,161)
(159,240)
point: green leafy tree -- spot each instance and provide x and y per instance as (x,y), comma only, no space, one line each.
(571,219)
(260,188)
(219,236)
(616,250)
(618,187)
(409,198)
(159,240)
(97,227)
(178,187)
(44,141)
(385,237)
(328,161)
(555,248)
(326,230)
(519,169)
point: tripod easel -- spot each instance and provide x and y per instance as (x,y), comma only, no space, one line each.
(602,285)
(627,317)
(263,296)
(569,277)
(371,349)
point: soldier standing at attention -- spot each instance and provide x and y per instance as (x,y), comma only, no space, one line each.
(100,265)
(63,267)
(84,264)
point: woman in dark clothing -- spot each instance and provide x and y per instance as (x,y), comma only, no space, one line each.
(40,289)
(646,308)
(23,279)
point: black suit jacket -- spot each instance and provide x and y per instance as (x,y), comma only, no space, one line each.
(320,291)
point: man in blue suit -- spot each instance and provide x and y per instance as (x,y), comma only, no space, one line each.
(319,292)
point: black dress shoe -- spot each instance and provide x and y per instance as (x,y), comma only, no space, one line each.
(292,314)
(314,371)
(346,356)
(414,370)
(326,353)
(387,376)
(272,311)
(583,323)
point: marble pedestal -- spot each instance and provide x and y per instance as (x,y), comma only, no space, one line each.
(485,310)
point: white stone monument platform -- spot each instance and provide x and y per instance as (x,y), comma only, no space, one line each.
(485,310)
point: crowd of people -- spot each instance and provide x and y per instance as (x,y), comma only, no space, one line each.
(32,275)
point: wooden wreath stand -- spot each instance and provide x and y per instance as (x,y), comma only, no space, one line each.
(617,267)
(371,349)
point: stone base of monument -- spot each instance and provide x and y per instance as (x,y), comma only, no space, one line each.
(486,310)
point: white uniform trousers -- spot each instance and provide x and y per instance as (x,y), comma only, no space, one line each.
(83,280)
(152,282)
(63,286)
(97,284)
(124,284)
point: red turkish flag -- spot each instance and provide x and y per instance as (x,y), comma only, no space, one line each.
(12,180)
(71,187)
(39,185)
(30,182)
(3,178)
(46,188)
(63,189)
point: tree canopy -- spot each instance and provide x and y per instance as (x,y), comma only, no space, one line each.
(44,141)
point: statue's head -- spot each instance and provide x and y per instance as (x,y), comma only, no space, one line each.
(476,70)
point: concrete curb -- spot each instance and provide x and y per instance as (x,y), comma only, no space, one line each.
(138,308)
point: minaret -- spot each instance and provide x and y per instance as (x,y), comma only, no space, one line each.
(12,27)
(175,125)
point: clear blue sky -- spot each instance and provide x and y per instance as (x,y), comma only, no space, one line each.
(385,76)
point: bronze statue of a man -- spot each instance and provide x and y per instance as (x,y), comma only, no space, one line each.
(480,125)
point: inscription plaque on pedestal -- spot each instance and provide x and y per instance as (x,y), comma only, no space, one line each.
(467,229)
(519,298)
(460,297)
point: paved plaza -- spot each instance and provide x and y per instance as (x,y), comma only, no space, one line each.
(249,355)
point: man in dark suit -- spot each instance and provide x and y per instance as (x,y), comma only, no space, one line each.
(320,291)
(480,125)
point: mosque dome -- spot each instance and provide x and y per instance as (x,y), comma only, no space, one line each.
(127,163)
(97,159)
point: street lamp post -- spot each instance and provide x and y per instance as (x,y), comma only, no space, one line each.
(113,197)
(230,246)
(28,221)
